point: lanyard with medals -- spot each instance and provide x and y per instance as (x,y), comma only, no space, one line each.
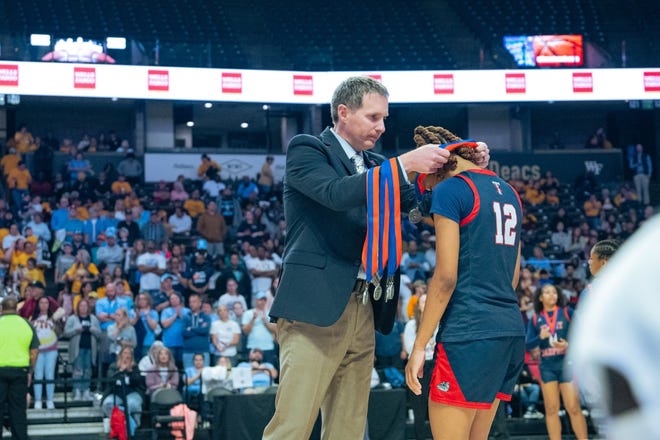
(382,244)
(552,322)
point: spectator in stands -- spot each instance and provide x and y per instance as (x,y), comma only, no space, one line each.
(266,177)
(178,193)
(111,255)
(18,181)
(413,263)
(193,376)
(180,221)
(196,327)
(212,188)
(125,379)
(225,336)
(63,262)
(9,240)
(212,227)
(108,305)
(250,230)
(78,165)
(592,208)
(130,224)
(247,191)
(82,271)
(534,194)
(419,288)
(130,167)
(208,168)
(172,319)
(641,166)
(121,187)
(231,295)
(198,275)
(194,206)
(539,261)
(145,322)
(83,330)
(23,140)
(151,265)
(154,229)
(259,330)
(529,392)
(262,270)
(560,237)
(598,140)
(264,372)
(164,373)
(121,333)
(161,299)
(48,329)
(161,194)
(230,208)
(94,225)
(236,270)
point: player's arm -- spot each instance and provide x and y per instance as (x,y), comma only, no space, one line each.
(444,278)
(516,272)
(441,287)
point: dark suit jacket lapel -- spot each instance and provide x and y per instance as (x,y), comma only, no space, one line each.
(333,144)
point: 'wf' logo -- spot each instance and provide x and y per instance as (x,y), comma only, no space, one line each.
(593,167)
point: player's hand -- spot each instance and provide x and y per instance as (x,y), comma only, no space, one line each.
(425,159)
(561,344)
(545,332)
(415,370)
(484,155)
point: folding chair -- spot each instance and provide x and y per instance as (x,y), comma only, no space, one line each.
(162,423)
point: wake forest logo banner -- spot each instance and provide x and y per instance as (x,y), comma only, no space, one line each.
(566,166)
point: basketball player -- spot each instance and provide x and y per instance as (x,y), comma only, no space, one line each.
(480,343)
(546,337)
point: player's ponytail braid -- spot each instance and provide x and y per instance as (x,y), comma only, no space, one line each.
(440,135)
(606,248)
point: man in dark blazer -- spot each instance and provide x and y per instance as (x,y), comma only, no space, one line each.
(325,329)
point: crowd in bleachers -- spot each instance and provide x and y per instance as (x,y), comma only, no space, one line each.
(191,267)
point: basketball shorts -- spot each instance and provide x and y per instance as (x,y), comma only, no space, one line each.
(472,374)
(553,370)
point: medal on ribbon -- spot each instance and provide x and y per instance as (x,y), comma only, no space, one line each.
(382,246)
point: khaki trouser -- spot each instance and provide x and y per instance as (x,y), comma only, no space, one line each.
(327,368)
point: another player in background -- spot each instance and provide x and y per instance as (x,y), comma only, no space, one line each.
(547,338)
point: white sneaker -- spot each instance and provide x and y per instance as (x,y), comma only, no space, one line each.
(76,395)
(87,396)
(38,405)
(50,404)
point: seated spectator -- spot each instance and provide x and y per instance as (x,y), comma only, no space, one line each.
(180,221)
(539,261)
(125,379)
(164,373)
(414,263)
(217,376)
(193,377)
(194,206)
(529,391)
(560,237)
(263,373)
(161,194)
(247,191)
(154,230)
(592,208)
(198,275)
(212,188)
(534,194)
(82,270)
(111,255)
(130,223)
(130,167)
(33,293)
(231,295)
(121,187)
(78,165)
(148,361)
(178,193)
(250,230)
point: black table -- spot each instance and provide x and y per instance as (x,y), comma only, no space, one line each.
(244,417)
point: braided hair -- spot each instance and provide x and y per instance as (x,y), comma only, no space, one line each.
(604,249)
(440,135)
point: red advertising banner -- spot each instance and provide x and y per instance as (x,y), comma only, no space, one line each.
(232,82)
(651,81)
(443,83)
(84,77)
(583,82)
(8,75)
(158,80)
(515,83)
(303,85)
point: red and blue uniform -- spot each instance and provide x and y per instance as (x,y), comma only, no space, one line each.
(552,359)
(481,338)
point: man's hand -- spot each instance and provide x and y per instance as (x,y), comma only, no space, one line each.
(484,155)
(425,159)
